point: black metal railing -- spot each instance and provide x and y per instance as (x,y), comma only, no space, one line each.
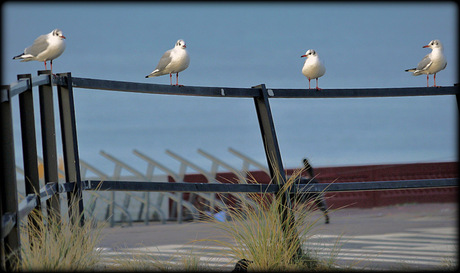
(12,212)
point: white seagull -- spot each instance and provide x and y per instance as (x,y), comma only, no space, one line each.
(432,63)
(174,60)
(45,48)
(313,68)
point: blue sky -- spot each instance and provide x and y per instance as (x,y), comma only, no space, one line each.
(242,45)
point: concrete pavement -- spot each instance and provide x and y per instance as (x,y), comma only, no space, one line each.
(410,236)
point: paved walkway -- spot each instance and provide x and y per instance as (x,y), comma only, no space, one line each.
(403,237)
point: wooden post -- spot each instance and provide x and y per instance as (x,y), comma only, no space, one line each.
(10,242)
(29,147)
(70,146)
(50,161)
(275,164)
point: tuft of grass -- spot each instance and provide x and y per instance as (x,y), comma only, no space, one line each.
(54,243)
(258,233)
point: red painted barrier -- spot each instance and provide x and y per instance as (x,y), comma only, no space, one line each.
(367,199)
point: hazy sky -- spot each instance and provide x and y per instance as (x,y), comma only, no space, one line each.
(236,44)
(242,45)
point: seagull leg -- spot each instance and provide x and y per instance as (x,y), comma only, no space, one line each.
(51,63)
(309,83)
(427,76)
(170,79)
(317,88)
(45,65)
(434,80)
(177,80)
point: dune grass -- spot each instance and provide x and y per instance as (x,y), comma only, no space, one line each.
(56,244)
(261,236)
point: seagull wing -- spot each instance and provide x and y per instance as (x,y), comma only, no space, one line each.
(40,44)
(164,61)
(425,63)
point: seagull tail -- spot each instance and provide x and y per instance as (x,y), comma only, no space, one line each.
(18,57)
(153,74)
(24,57)
(415,71)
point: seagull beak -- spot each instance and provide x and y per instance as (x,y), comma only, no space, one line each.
(426,46)
(184,46)
(303,56)
(62,36)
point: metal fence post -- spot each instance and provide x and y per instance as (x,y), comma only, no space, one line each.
(50,163)
(70,146)
(8,186)
(275,164)
(29,146)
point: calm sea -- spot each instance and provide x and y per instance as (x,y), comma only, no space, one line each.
(330,132)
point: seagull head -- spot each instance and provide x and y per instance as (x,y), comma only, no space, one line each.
(309,53)
(57,32)
(181,44)
(434,44)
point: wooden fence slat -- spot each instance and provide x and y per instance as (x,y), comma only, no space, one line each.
(8,186)
(29,147)
(70,148)
(50,160)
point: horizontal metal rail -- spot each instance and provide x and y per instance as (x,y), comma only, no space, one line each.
(378,185)
(8,222)
(24,208)
(20,86)
(303,186)
(134,87)
(363,92)
(175,187)
(161,89)
(29,203)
